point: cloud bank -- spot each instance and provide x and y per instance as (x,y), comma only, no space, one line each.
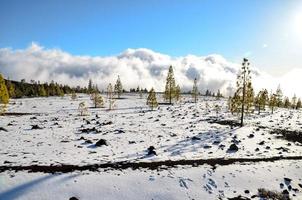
(136,67)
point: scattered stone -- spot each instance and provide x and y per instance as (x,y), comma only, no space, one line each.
(106,123)
(88,142)
(261,143)
(289,187)
(239,198)
(88,130)
(257,149)
(285,192)
(34,127)
(250,135)
(119,131)
(73,198)
(101,142)
(151,151)
(131,142)
(195,138)
(216,142)
(3,129)
(246,191)
(287,180)
(233,148)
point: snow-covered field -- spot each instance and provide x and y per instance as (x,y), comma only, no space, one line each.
(184,131)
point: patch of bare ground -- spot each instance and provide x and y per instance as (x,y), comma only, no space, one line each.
(157,165)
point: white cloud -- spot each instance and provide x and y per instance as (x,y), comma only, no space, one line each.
(264,46)
(142,67)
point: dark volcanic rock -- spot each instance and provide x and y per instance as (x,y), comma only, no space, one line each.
(73,198)
(3,129)
(88,130)
(119,131)
(151,151)
(246,191)
(106,123)
(233,148)
(101,142)
(287,180)
(34,127)
(195,138)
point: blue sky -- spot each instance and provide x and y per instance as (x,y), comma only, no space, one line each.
(261,30)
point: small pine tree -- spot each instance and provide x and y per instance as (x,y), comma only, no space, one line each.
(169,93)
(261,100)
(294,102)
(195,91)
(73,96)
(83,109)
(244,90)
(11,89)
(90,87)
(151,100)
(97,99)
(42,91)
(286,103)
(118,88)
(298,106)
(217,110)
(272,102)
(279,96)
(141,93)
(177,93)
(4,96)
(235,103)
(110,96)
(219,95)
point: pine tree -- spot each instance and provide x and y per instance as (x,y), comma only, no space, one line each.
(110,96)
(58,90)
(279,96)
(298,106)
(286,103)
(83,109)
(118,88)
(249,97)
(151,100)
(141,93)
(90,86)
(97,99)
(219,95)
(195,91)
(11,89)
(177,93)
(41,91)
(244,89)
(294,101)
(169,93)
(235,103)
(4,97)
(272,102)
(73,95)
(261,100)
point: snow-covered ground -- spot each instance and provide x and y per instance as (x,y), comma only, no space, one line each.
(182,131)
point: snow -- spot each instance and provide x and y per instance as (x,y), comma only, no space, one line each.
(134,128)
